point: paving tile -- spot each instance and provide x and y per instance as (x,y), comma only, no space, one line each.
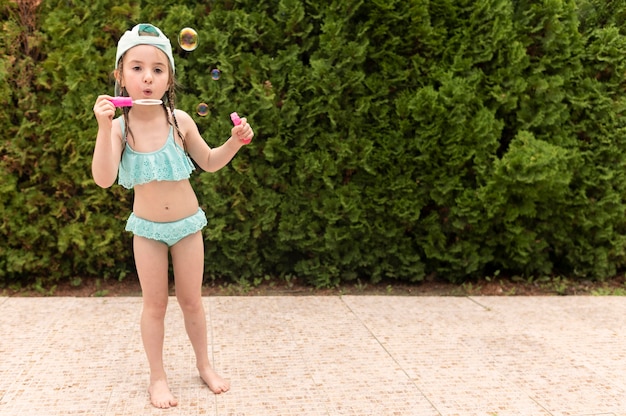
(306,356)
(330,355)
(254,348)
(430,337)
(58,363)
(567,352)
(505,355)
(350,365)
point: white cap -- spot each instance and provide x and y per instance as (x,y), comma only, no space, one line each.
(144,34)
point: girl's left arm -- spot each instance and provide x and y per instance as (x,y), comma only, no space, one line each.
(213,159)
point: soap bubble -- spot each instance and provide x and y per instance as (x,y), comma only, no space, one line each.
(188,39)
(216,74)
(202,109)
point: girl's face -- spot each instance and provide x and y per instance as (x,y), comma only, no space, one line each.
(145,72)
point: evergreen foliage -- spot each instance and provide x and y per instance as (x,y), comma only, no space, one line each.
(395,139)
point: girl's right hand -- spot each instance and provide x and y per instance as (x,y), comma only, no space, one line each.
(104,111)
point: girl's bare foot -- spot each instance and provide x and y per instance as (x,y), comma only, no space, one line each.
(160,395)
(216,383)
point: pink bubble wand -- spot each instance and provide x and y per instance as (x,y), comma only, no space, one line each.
(237,121)
(129,102)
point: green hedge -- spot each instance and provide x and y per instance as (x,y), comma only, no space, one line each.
(395,139)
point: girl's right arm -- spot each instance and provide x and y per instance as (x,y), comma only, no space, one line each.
(108,150)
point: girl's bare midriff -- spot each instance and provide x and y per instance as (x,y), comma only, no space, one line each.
(165,201)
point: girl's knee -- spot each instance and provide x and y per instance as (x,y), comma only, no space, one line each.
(190,304)
(155,308)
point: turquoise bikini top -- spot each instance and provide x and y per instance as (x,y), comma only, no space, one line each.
(169,163)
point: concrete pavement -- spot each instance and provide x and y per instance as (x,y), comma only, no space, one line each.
(323,355)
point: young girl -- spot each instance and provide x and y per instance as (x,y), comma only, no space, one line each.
(149,149)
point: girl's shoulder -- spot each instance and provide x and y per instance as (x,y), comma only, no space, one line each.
(179,111)
(184,120)
(182,115)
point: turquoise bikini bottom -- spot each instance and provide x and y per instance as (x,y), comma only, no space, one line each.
(168,233)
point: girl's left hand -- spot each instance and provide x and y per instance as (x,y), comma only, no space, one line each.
(243,132)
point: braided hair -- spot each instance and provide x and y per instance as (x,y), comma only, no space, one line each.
(171,101)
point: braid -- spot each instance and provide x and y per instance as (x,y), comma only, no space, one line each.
(170,100)
(125,111)
(127,132)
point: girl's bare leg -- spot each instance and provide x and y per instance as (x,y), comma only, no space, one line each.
(188,261)
(151,258)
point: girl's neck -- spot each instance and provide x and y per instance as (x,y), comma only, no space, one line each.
(146,112)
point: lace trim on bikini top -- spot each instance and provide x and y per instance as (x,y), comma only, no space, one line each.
(169,163)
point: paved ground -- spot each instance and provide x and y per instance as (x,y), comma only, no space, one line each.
(350,355)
